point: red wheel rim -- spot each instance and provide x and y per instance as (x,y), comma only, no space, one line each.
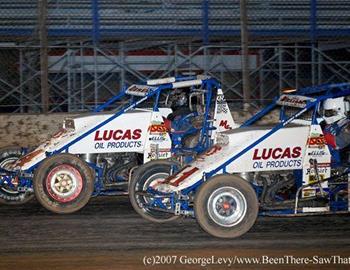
(64,183)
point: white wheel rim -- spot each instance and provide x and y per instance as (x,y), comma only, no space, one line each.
(64,183)
(227,206)
(152,181)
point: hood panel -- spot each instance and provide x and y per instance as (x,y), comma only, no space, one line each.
(125,133)
(283,150)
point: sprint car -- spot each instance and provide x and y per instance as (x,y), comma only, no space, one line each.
(95,153)
(288,168)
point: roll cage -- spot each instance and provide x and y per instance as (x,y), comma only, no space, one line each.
(136,95)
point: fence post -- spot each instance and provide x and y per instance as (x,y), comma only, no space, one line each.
(313,37)
(205,21)
(21,69)
(95,22)
(245,54)
(42,22)
(313,20)
(95,39)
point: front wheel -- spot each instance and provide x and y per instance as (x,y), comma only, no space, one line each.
(9,193)
(63,183)
(146,176)
(226,206)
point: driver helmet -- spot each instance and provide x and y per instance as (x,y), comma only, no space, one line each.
(335,109)
(182,100)
(179,100)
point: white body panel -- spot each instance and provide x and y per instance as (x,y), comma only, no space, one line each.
(126,133)
(158,141)
(222,116)
(283,150)
(138,130)
(316,149)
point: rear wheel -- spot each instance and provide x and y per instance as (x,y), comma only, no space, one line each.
(146,176)
(9,193)
(63,183)
(226,206)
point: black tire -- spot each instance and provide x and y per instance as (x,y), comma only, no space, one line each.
(140,182)
(9,195)
(60,171)
(214,196)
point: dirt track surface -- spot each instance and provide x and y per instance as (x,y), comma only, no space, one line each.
(108,234)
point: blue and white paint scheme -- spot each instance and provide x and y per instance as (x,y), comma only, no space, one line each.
(291,145)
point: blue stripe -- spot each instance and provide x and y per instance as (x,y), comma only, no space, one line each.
(248,148)
(196,32)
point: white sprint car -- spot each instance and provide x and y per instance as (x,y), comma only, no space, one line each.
(95,153)
(284,169)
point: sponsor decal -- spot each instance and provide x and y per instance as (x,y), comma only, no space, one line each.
(161,153)
(294,163)
(223,123)
(294,101)
(318,142)
(322,168)
(157,129)
(277,153)
(157,138)
(265,158)
(317,153)
(118,134)
(220,98)
(118,138)
(221,104)
(312,178)
(139,90)
(119,144)
(310,192)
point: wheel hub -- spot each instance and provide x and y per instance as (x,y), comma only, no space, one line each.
(64,183)
(227,206)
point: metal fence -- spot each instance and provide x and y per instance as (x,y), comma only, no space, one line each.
(96,46)
(83,76)
(202,19)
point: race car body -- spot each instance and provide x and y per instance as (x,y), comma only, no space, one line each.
(283,169)
(95,153)
(284,150)
(127,133)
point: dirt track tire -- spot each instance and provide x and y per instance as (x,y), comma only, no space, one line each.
(140,181)
(63,183)
(8,196)
(226,206)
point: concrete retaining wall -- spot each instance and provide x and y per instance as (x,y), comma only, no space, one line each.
(29,130)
